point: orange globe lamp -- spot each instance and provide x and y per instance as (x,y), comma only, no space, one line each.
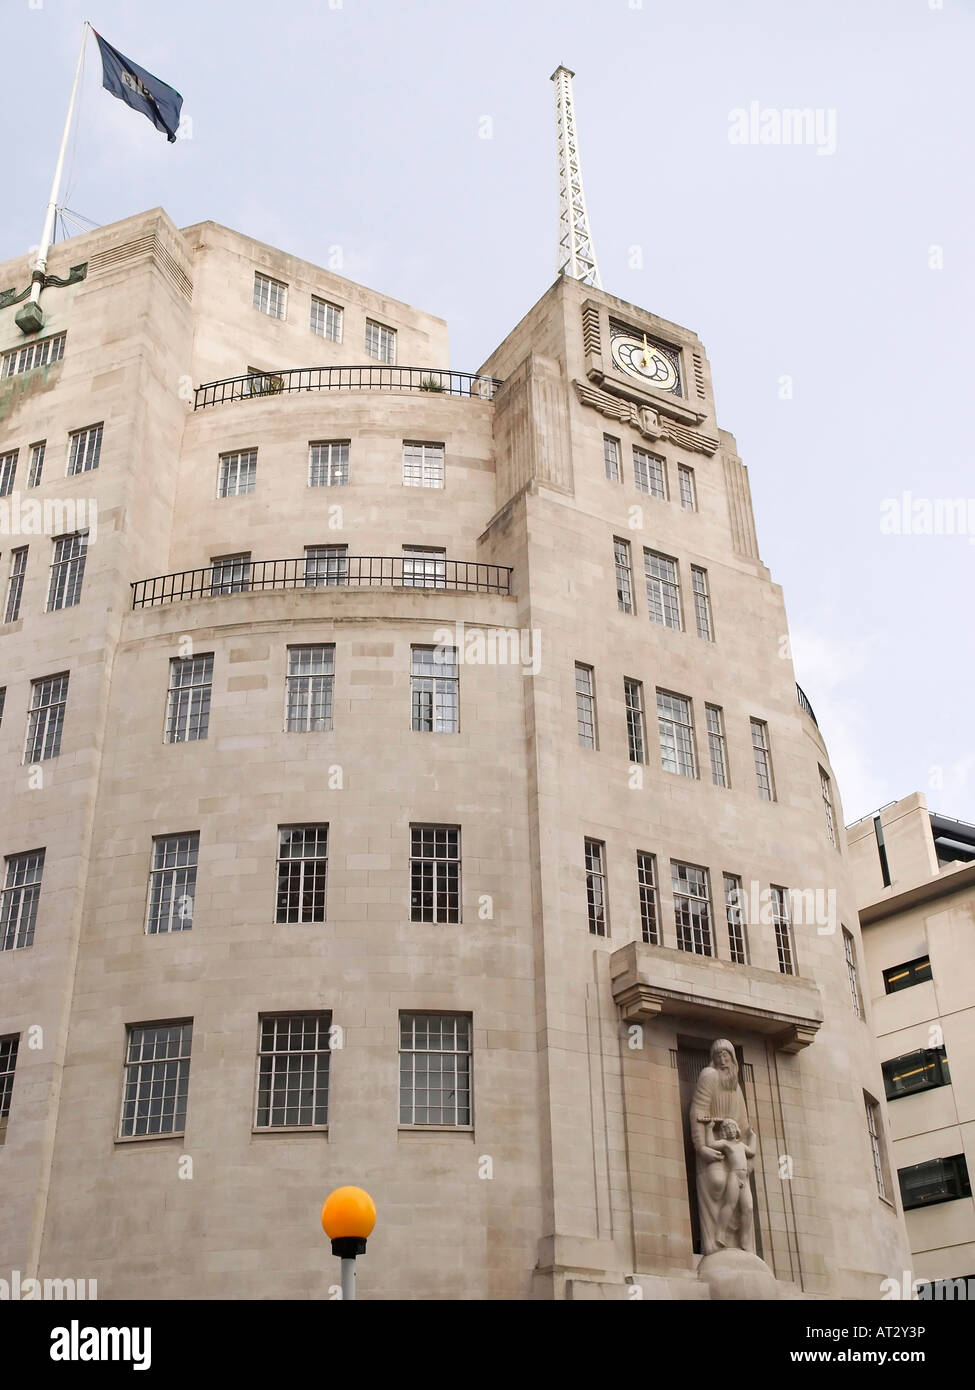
(348,1218)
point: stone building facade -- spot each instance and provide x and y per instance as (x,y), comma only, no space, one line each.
(501,899)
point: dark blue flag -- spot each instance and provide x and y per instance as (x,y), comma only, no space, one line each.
(139,89)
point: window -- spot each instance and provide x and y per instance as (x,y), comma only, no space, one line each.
(734,906)
(424,567)
(874,1132)
(67,571)
(19,899)
(596,888)
(434,689)
(380,341)
(636,724)
(8,1065)
(850,954)
(238,473)
(157,1079)
(326,319)
(15,584)
(434,1069)
(646,877)
(231,574)
(3,700)
(688,492)
(270,296)
(674,722)
(423,464)
(692,908)
(44,352)
(938,1180)
(311,676)
(663,590)
(172,883)
(8,470)
(45,717)
(921,1070)
(302,873)
(782,922)
(585,706)
(292,1071)
(912,972)
(328,463)
(611,458)
(434,873)
(763,760)
(702,603)
(649,473)
(717,748)
(188,702)
(326,564)
(828,806)
(36,464)
(84,450)
(624,575)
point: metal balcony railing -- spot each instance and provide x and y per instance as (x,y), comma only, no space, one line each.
(378,378)
(238,574)
(804,704)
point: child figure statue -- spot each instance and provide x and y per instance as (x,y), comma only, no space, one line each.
(737,1195)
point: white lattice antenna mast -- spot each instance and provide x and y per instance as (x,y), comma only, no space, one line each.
(576,255)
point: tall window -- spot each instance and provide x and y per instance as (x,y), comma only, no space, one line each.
(45,717)
(937,1180)
(84,449)
(434,690)
(423,464)
(424,567)
(230,574)
(763,760)
(188,704)
(326,319)
(734,906)
(19,899)
(380,341)
(238,473)
(676,727)
(3,700)
(702,603)
(649,473)
(624,575)
(663,589)
(311,677)
(172,883)
(8,471)
(67,571)
(8,1065)
(611,457)
(646,877)
(270,296)
(434,1069)
(586,706)
(692,908)
(326,565)
(874,1132)
(36,464)
(853,979)
(596,888)
(328,463)
(434,873)
(15,584)
(717,747)
(636,723)
(688,492)
(292,1071)
(782,922)
(157,1079)
(43,352)
(827,792)
(302,873)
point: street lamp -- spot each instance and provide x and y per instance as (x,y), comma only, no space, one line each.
(348,1216)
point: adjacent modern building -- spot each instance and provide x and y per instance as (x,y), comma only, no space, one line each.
(915,876)
(404,782)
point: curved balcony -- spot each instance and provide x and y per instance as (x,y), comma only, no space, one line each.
(805,705)
(238,575)
(378,378)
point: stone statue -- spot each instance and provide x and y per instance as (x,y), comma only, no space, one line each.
(724,1149)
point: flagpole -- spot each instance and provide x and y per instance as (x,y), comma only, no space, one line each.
(47,235)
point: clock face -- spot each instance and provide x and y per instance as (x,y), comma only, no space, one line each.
(648,361)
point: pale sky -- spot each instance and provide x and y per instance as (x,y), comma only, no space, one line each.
(316,124)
